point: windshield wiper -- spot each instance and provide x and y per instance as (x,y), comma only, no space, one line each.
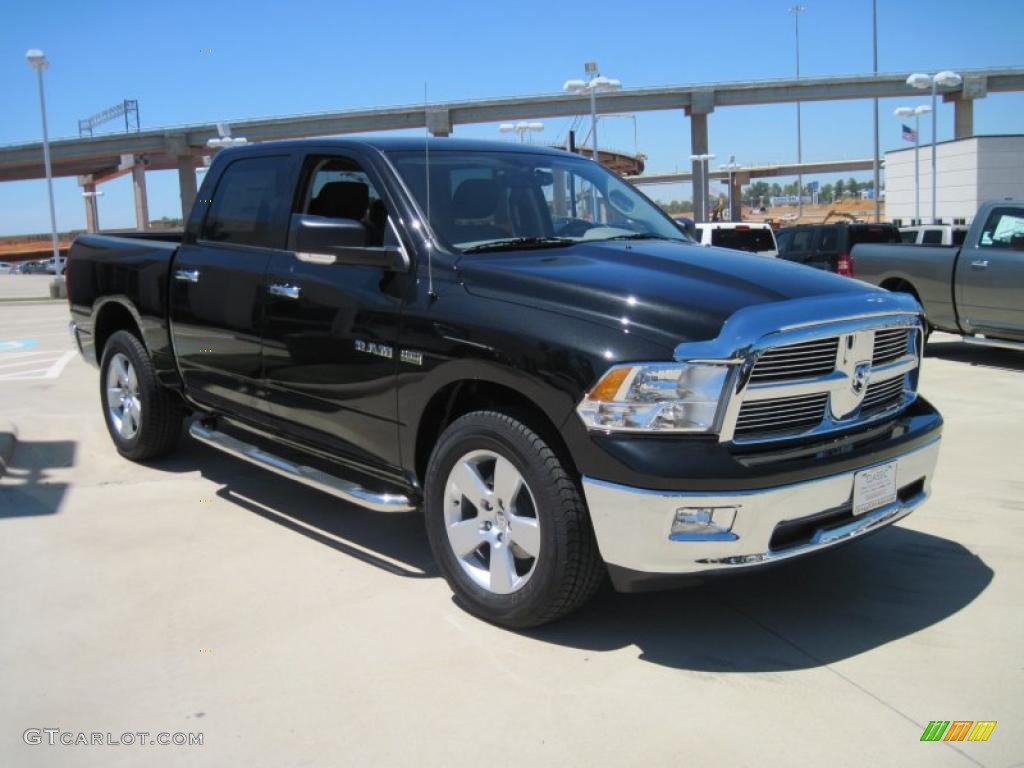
(515,243)
(641,236)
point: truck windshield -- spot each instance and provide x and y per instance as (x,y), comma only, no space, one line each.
(505,200)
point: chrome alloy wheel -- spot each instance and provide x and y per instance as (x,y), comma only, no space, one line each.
(492,523)
(123,404)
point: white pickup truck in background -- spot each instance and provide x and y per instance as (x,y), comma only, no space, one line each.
(740,236)
(934,234)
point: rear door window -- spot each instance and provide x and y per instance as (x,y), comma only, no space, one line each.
(249,202)
(829,239)
(932,237)
(801,240)
(753,240)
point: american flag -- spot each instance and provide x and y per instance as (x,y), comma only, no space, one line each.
(909,134)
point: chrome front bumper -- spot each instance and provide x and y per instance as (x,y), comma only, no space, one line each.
(634,526)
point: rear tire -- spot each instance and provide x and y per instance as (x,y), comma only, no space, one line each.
(143,418)
(507,524)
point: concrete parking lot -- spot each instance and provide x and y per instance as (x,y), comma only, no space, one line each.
(199,595)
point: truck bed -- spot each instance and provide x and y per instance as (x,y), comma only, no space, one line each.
(132,270)
(928,269)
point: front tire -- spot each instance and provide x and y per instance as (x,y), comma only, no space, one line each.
(143,418)
(507,524)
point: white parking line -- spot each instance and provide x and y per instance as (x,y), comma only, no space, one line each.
(26,365)
(57,368)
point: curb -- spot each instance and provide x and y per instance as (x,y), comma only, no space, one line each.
(8,439)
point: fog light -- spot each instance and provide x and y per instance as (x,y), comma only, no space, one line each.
(703,524)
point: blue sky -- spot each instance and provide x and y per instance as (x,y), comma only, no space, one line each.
(274,58)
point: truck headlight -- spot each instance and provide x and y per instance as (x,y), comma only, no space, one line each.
(656,397)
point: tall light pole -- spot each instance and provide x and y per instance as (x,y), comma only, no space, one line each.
(922,81)
(874,62)
(703,160)
(37,60)
(796,10)
(594,84)
(916,113)
(521,128)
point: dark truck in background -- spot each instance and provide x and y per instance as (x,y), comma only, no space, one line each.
(828,246)
(521,345)
(975,290)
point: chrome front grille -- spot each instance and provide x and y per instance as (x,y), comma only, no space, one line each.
(760,417)
(883,395)
(890,344)
(816,384)
(796,361)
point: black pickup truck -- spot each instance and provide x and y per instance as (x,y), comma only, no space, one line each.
(520,344)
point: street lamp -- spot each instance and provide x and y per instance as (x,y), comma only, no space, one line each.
(922,81)
(38,61)
(596,83)
(916,113)
(796,10)
(521,128)
(224,138)
(703,160)
(731,167)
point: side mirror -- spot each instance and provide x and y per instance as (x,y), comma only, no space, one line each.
(323,240)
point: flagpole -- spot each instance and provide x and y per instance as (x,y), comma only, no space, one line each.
(917,169)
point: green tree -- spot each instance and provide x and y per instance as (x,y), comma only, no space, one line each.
(840,189)
(853,186)
(827,193)
(756,191)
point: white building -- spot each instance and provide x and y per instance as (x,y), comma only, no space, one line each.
(970,171)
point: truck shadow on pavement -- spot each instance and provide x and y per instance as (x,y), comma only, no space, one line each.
(798,615)
(972,354)
(396,543)
(27,490)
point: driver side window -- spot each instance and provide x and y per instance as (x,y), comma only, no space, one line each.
(338,188)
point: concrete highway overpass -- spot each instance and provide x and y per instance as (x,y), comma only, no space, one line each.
(97,159)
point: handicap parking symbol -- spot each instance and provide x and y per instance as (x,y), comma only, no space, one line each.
(17,345)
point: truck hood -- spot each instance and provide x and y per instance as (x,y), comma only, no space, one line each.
(664,291)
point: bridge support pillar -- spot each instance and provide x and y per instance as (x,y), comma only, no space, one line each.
(439,122)
(187,185)
(138,169)
(701,105)
(92,209)
(736,183)
(974,87)
(963,118)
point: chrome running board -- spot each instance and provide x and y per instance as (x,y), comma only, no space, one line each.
(984,341)
(314,478)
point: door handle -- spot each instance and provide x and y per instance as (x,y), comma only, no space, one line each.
(187,275)
(980,264)
(284,291)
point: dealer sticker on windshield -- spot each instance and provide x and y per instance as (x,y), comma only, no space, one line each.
(873,488)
